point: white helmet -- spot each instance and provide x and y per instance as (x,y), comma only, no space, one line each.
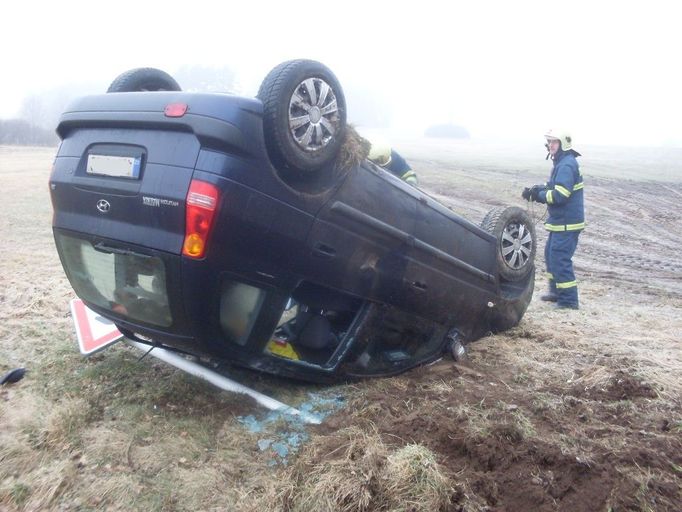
(562,136)
(380,151)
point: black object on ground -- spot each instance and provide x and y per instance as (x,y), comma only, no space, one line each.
(13,376)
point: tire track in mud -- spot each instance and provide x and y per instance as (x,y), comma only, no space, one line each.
(633,235)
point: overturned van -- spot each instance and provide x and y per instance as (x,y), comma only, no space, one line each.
(246,231)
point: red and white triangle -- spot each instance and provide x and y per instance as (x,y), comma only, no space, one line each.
(94,332)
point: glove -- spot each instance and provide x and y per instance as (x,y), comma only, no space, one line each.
(533,192)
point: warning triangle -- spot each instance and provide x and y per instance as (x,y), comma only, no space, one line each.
(94,332)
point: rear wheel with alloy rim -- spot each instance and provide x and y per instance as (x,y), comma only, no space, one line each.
(304,115)
(516,242)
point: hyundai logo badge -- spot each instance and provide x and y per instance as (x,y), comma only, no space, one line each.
(103,206)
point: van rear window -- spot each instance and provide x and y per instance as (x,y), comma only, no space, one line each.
(122,281)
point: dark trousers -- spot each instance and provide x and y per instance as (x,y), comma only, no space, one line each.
(559,252)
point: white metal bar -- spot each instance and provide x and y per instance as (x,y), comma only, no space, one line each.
(221,381)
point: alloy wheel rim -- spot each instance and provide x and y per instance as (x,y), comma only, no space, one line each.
(313,114)
(516,245)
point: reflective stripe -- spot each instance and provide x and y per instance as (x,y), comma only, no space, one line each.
(563,191)
(566,227)
(569,284)
(410,177)
(549,276)
(549,197)
(552,227)
(578,186)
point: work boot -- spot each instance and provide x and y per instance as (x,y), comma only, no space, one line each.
(566,306)
(549,297)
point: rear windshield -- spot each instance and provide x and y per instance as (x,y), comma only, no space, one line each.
(125,282)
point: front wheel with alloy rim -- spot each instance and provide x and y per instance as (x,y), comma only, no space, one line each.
(304,115)
(516,242)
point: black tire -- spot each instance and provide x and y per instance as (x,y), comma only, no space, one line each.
(288,146)
(515,249)
(144,79)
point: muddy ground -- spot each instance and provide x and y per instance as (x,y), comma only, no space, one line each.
(571,410)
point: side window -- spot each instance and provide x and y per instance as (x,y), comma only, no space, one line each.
(240,305)
(308,326)
(391,340)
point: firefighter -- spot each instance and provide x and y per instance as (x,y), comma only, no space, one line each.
(384,156)
(563,194)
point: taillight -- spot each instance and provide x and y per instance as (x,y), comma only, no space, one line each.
(202,202)
(175,109)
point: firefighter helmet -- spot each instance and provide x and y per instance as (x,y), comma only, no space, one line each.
(562,136)
(380,152)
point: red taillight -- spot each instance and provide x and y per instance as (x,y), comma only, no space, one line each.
(201,204)
(175,109)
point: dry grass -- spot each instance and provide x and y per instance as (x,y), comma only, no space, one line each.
(353,470)
(414,481)
(340,472)
(601,336)
(354,150)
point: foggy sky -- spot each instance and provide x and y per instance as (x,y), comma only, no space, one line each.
(609,72)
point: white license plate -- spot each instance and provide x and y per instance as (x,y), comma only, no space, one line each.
(117,166)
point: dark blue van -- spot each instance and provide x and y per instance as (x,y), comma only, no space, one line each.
(254,231)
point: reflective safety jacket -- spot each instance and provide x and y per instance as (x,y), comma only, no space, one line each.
(563,194)
(400,168)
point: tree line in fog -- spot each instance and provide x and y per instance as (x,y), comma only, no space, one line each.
(37,119)
(23,133)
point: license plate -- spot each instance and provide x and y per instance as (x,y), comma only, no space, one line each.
(116,166)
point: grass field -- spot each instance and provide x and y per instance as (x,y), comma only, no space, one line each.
(577,410)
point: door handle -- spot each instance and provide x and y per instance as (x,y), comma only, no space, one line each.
(102,247)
